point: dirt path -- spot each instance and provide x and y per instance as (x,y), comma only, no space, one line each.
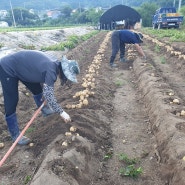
(129,113)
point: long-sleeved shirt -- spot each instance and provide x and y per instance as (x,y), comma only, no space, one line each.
(35,67)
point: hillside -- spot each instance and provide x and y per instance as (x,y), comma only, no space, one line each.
(53,4)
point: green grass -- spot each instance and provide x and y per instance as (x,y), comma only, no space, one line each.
(71,42)
(157,48)
(174,35)
(10,29)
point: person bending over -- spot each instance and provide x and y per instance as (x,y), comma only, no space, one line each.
(121,37)
(38,72)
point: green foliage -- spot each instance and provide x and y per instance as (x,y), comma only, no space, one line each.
(29,47)
(119,83)
(81,15)
(108,156)
(74,39)
(1,45)
(27,179)
(66,11)
(182,11)
(157,48)
(131,171)
(70,43)
(146,11)
(30,130)
(94,15)
(127,160)
(174,35)
(163,60)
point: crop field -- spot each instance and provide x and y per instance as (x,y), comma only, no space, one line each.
(128,123)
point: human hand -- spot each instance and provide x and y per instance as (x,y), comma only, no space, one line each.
(65,117)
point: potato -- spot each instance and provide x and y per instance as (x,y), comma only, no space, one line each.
(85,102)
(65,143)
(31,144)
(176,101)
(68,133)
(73,129)
(1,145)
(182,113)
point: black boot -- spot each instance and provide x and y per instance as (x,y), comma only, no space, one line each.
(14,130)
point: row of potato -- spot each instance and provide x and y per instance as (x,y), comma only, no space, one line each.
(169,48)
(89,80)
(180,56)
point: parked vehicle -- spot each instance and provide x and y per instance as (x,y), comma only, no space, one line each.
(166,18)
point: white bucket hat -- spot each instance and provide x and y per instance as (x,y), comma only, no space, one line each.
(70,69)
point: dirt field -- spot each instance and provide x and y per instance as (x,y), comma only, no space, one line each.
(130,112)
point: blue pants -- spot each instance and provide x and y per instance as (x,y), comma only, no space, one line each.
(11,93)
(116,46)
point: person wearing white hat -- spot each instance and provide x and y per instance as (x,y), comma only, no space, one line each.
(122,37)
(38,72)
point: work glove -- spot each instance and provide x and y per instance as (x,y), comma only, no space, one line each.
(65,117)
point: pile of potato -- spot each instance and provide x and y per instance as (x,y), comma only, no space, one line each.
(90,77)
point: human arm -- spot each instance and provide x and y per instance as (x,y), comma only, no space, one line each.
(48,93)
(140,50)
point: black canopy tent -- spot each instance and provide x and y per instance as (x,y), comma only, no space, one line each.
(118,13)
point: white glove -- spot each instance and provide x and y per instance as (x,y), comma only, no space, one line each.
(65,117)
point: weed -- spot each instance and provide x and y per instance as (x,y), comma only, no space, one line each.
(131,171)
(1,45)
(70,43)
(108,155)
(119,83)
(127,160)
(163,60)
(27,179)
(157,48)
(29,130)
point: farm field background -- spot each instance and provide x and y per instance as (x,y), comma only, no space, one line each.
(133,121)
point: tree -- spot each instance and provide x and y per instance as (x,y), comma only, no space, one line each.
(147,10)
(23,17)
(94,15)
(66,11)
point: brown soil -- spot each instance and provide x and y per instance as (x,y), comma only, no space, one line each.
(130,113)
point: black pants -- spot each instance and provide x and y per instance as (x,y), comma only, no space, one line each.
(116,46)
(11,93)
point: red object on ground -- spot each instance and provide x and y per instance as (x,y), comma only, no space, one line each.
(21,134)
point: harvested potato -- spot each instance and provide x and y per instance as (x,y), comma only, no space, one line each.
(31,144)
(65,143)
(1,145)
(68,133)
(73,129)
(176,101)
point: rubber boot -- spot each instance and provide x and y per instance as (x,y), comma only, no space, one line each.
(122,59)
(112,62)
(46,111)
(14,130)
